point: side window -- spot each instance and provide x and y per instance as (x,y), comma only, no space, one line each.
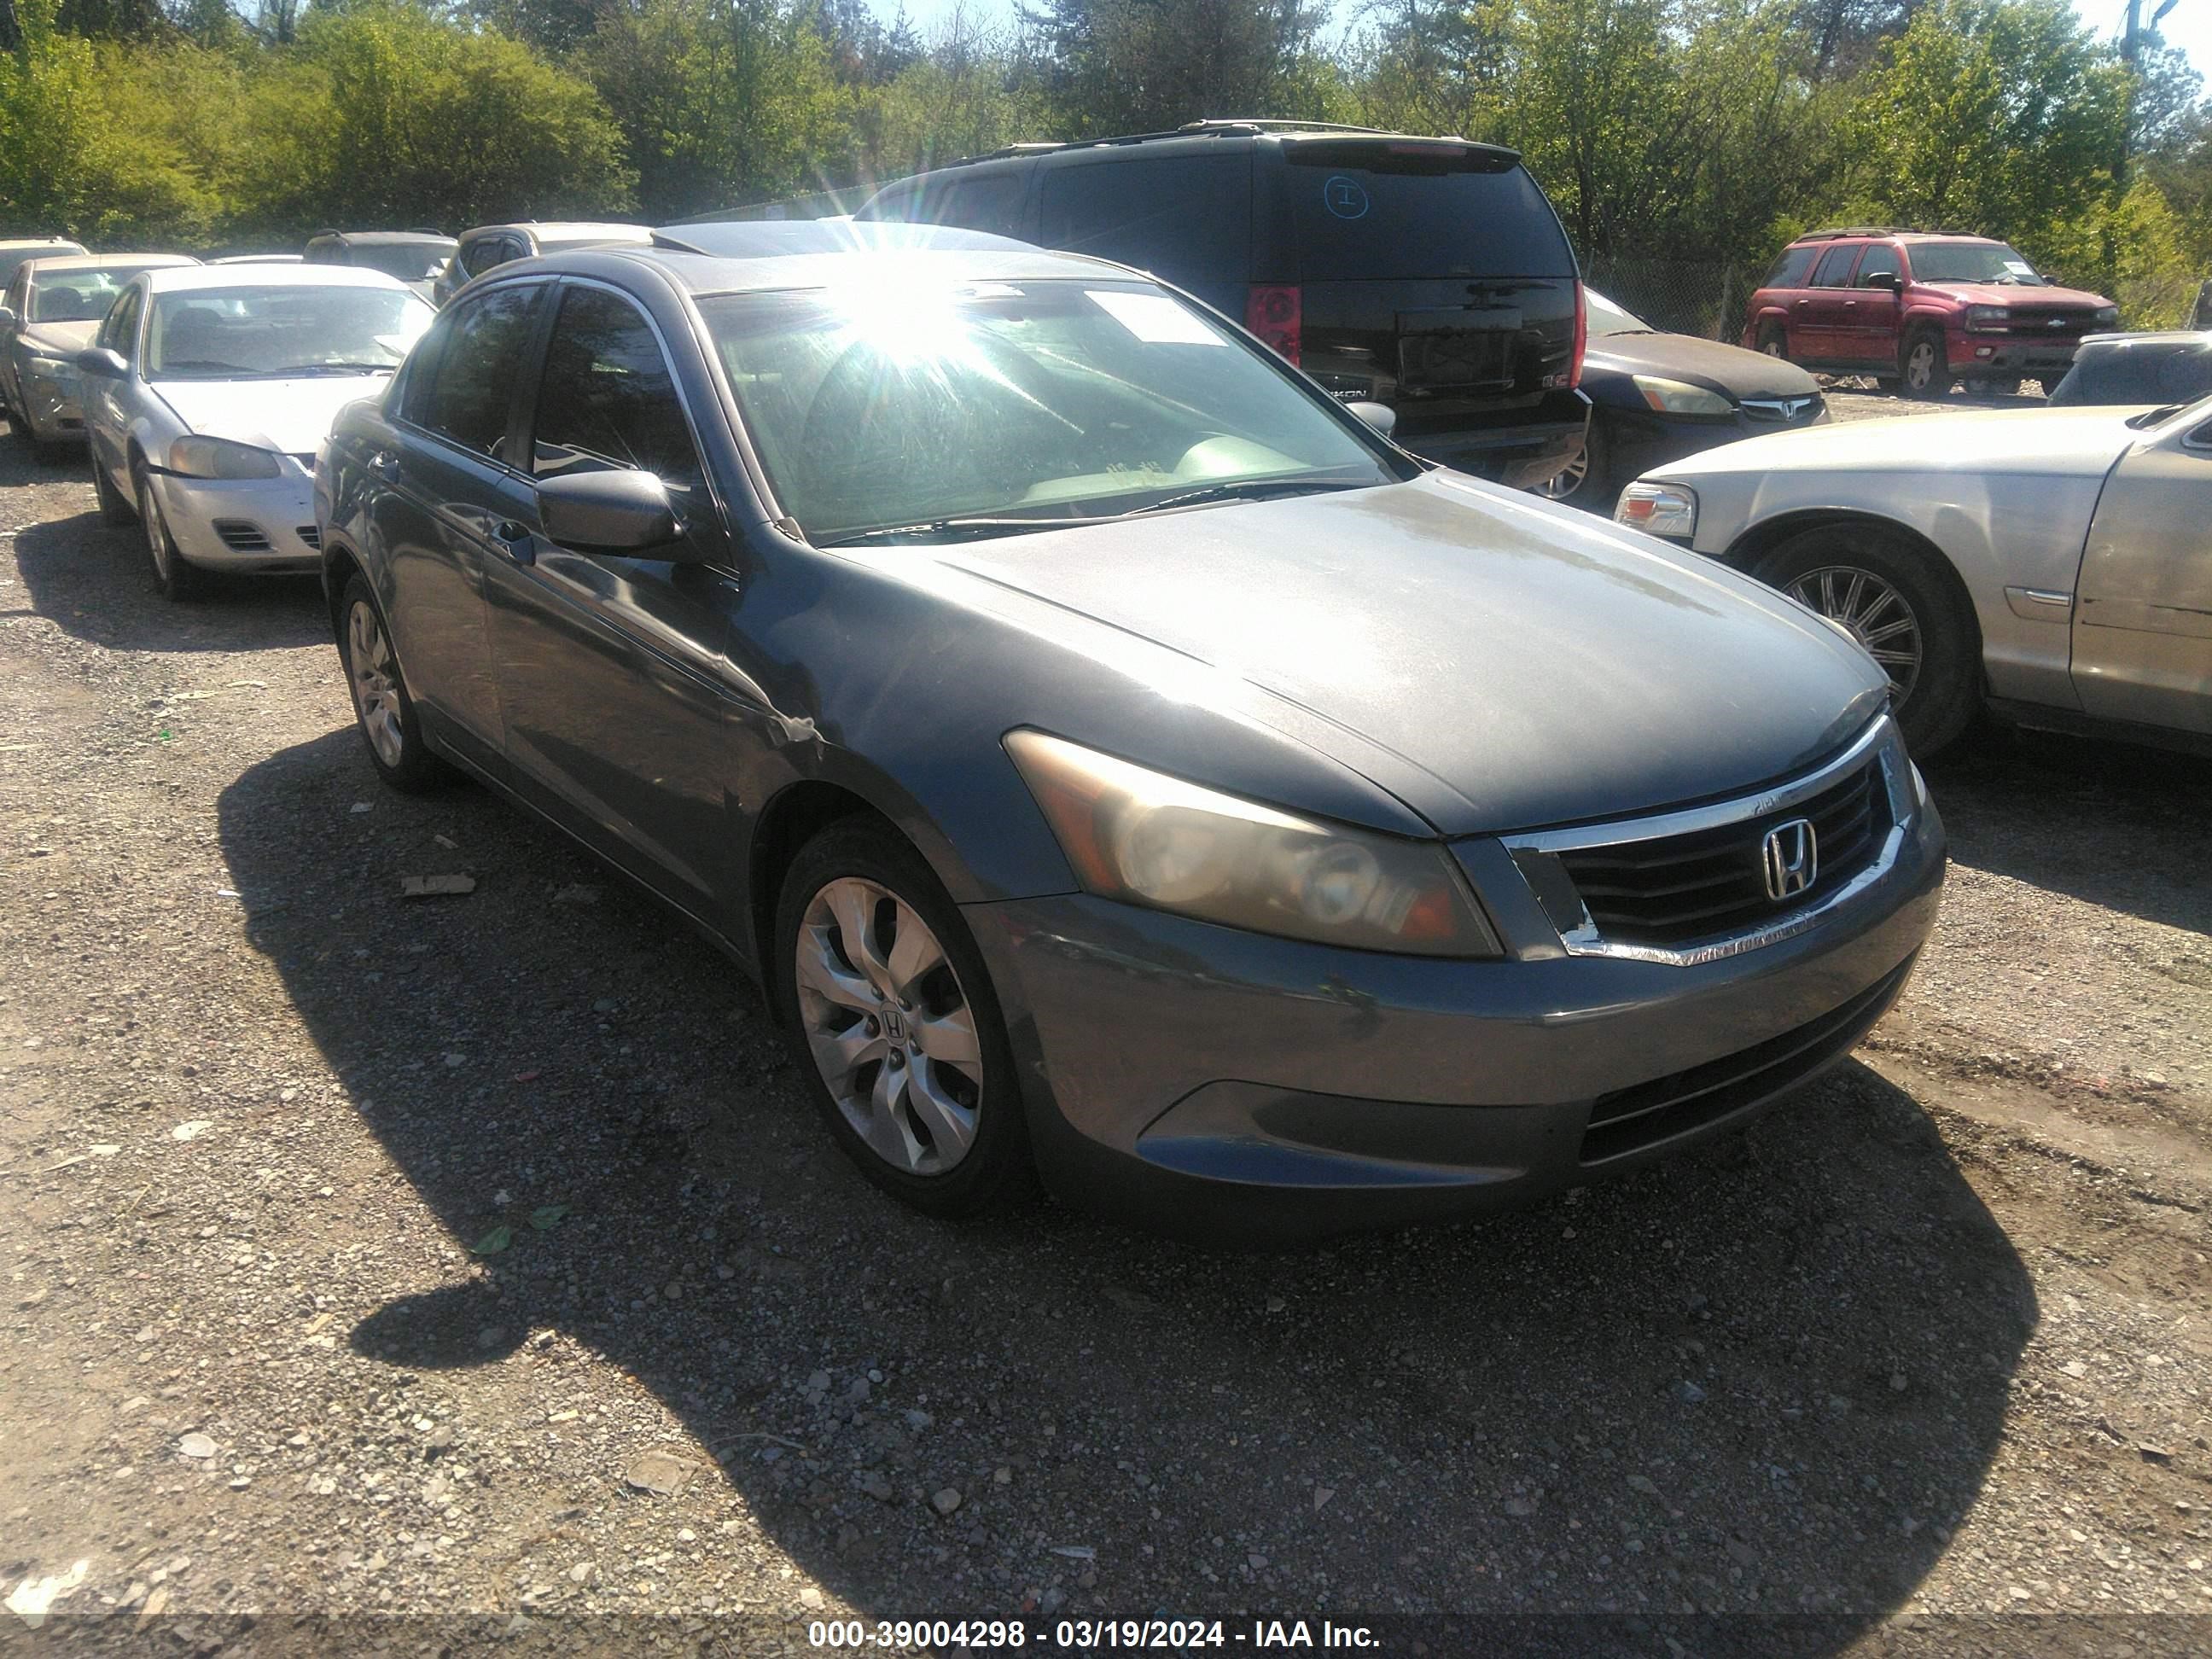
(18,298)
(992,202)
(897,205)
(320,253)
(1880,258)
(1790,270)
(470,386)
(120,332)
(1834,269)
(1186,218)
(608,400)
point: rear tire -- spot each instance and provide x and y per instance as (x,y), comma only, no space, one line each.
(382,708)
(1921,366)
(1587,483)
(938,1122)
(1888,593)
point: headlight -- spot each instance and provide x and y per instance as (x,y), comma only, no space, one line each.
(1679,398)
(1145,838)
(1987,316)
(1661,509)
(219,457)
(2106,316)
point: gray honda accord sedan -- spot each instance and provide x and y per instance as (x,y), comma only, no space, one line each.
(1117,761)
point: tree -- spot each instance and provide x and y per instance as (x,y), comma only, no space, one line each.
(1119,66)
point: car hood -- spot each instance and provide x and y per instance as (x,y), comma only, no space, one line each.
(2045,442)
(1494,661)
(1727,368)
(291,415)
(59,339)
(2011,294)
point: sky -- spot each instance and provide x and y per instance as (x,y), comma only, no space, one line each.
(2188,26)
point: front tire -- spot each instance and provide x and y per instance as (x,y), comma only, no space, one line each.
(1887,594)
(1922,365)
(893,1021)
(175,578)
(381,705)
(1774,340)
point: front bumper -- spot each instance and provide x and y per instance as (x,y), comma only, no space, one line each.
(249,525)
(1992,353)
(1241,1088)
(1643,440)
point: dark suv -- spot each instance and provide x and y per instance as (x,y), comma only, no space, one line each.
(1430,275)
(1921,311)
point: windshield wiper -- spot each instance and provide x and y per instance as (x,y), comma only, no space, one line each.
(977,525)
(1250,489)
(300,371)
(2151,418)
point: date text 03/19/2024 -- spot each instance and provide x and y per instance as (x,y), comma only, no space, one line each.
(1085,1635)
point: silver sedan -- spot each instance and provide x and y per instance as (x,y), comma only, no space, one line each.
(2050,564)
(208,391)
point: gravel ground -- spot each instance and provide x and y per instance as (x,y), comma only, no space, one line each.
(1922,1358)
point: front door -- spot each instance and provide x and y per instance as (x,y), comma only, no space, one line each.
(624,716)
(1869,334)
(2142,616)
(442,489)
(1818,314)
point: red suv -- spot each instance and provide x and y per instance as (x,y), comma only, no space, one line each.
(1922,310)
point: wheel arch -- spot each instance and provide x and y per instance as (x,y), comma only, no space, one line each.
(1753,546)
(341,564)
(791,819)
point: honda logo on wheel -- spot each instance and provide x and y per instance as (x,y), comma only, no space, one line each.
(1792,859)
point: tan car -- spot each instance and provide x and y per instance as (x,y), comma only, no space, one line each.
(51,310)
(2052,565)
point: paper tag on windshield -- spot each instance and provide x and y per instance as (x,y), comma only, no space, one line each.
(2019,267)
(1155,318)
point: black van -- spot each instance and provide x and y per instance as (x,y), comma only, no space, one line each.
(1429,274)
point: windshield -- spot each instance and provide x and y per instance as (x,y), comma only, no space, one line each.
(1972,262)
(408,261)
(230,333)
(898,404)
(1607,318)
(78,296)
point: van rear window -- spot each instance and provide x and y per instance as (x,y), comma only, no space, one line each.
(1372,212)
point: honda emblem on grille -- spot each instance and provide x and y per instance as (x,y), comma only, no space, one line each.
(1792,859)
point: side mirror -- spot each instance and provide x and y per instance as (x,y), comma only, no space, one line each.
(102,364)
(1883,279)
(624,511)
(1381,416)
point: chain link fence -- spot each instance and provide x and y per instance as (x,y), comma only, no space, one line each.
(1678,296)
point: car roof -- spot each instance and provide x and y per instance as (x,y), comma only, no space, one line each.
(379,238)
(1888,233)
(107,262)
(39,241)
(613,230)
(176,279)
(757,255)
(1195,137)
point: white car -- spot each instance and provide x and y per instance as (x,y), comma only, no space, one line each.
(207,392)
(2050,564)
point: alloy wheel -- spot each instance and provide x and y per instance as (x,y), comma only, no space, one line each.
(1920,365)
(890,1029)
(1874,613)
(1562,485)
(159,547)
(376,683)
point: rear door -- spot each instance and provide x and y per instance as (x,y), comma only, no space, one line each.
(1818,316)
(1429,273)
(614,671)
(448,485)
(2142,613)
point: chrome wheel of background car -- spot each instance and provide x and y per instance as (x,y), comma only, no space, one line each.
(376,683)
(1873,612)
(1562,485)
(889,1028)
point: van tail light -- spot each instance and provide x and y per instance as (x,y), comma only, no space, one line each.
(1582,336)
(1277,314)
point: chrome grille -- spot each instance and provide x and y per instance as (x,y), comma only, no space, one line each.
(1674,888)
(1784,410)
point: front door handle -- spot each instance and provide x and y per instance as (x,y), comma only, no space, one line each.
(515,541)
(385,465)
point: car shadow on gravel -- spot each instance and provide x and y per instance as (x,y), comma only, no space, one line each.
(96,583)
(1767,1377)
(2103,822)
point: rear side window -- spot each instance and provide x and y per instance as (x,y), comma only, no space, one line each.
(1834,269)
(608,400)
(1371,212)
(473,367)
(1792,267)
(1187,218)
